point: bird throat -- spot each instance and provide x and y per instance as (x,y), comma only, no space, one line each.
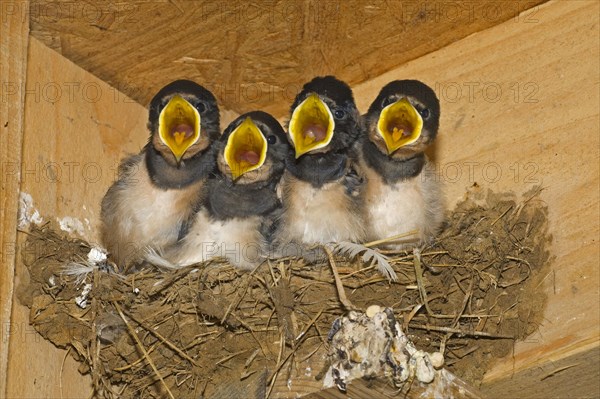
(391,169)
(166,175)
(227,200)
(318,169)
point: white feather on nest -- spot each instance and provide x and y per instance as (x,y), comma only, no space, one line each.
(369,255)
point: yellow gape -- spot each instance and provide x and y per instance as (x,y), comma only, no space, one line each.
(399,124)
(246,149)
(179,126)
(311,126)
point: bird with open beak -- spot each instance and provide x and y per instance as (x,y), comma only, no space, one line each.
(159,190)
(241,201)
(321,190)
(402,192)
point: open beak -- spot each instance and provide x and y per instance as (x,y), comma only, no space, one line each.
(179,126)
(399,124)
(246,149)
(311,126)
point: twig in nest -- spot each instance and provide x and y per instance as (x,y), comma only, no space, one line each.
(299,339)
(502,215)
(305,358)
(309,325)
(365,269)
(236,301)
(198,339)
(458,331)
(226,358)
(164,340)
(392,238)
(251,331)
(338,282)
(461,355)
(251,358)
(138,361)
(423,292)
(409,316)
(468,295)
(518,281)
(141,346)
(419,277)
(172,278)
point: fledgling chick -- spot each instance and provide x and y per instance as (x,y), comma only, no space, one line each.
(321,190)
(158,190)
(236,219)
(402,192)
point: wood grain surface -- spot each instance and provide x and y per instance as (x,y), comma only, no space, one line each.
(255,55)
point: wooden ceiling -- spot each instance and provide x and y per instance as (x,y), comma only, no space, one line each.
(256,55)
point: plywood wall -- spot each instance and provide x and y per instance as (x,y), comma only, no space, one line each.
(255,54)
(520,105)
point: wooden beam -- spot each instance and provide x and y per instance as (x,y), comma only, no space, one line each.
(14,35)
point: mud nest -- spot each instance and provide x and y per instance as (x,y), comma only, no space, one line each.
(212,331)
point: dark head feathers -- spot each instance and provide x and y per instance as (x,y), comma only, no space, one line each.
(410,88)
(200,97)
(328,86)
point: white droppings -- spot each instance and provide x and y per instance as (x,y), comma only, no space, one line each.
(373,310)
(96,255)
(372,344)
(27,212)
(81,300)
(424,370)
(71,225)
(437,359)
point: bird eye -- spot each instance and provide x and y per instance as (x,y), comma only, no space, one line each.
(386,101)
(339,114)
(200,106)
(272,139)
(424,112)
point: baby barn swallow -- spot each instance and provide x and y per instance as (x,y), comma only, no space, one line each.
(402,193)
(235,221)
(321,189)
(159,189)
